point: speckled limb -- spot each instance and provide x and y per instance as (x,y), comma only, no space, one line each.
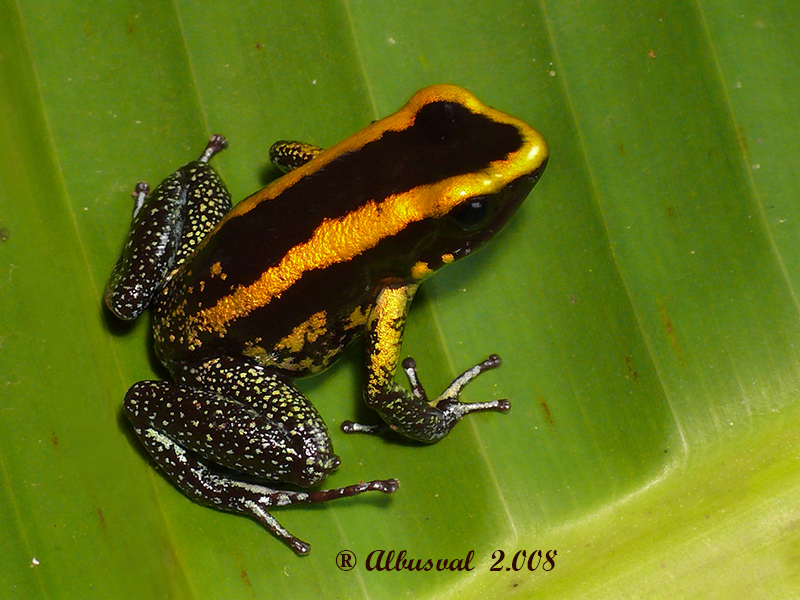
(244,419)
(168,223)
(210,487)
(287,155)
(411,415)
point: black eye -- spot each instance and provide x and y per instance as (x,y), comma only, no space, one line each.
(472,215)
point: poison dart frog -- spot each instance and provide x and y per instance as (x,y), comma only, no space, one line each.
(247,299)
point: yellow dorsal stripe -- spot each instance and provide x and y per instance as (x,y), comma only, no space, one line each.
(339,240)
(334,241)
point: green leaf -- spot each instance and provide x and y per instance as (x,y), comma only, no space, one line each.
(643,300)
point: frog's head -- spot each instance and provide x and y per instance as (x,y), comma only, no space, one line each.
(465,169)
(475,219)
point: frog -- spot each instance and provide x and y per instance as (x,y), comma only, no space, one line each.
(246,299)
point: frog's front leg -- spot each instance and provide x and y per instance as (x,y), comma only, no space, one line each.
(288,155)
(226,415)
(410,414)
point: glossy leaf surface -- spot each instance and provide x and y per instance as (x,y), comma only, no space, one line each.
(643,300)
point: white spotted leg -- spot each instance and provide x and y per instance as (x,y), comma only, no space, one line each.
(170,419)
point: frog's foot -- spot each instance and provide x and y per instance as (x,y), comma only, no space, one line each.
(370,428)
(217,489)
(139,194)
(216,144)
(415,417)
(448,400)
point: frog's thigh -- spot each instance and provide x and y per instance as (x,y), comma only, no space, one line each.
(193,434)
(211,487)
(263,438)
(283,410)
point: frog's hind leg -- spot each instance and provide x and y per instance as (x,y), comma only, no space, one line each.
(167,224)
(218,489)
(248,421)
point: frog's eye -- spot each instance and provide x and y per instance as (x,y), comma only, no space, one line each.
(473,214)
